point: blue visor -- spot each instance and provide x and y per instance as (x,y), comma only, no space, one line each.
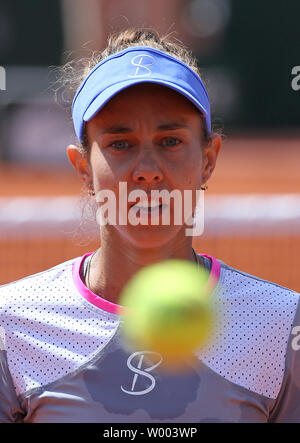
(136,64)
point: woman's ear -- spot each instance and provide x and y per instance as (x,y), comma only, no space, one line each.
(210,155)
(80,163)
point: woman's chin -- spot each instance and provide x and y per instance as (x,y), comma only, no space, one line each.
(149,236)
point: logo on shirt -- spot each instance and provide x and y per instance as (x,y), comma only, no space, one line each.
(138,372)
(159,394)
(142,63)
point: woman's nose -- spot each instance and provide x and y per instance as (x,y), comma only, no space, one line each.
(147,171)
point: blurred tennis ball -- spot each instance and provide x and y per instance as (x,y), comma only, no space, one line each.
(169,310)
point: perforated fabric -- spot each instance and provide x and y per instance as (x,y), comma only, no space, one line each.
(256,318)
(49,331)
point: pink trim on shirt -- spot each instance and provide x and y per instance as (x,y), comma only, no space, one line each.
(89,295)
(215,270)
(107,306)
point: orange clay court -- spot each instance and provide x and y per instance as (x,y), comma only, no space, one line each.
(253,165)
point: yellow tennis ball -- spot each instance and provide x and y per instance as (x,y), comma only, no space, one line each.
(169,309)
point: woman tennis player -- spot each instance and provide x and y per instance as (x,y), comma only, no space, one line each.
(142,116)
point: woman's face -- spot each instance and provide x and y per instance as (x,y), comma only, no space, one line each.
(150,137)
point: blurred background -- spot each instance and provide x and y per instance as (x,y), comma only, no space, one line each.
(246,52)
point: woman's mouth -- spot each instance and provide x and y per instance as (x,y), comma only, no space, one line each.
(153,209)
(149,211)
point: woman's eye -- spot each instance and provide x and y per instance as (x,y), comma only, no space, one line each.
(119,145)
(171,141)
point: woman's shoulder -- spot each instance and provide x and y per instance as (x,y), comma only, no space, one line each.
(255,319)
(241,284)
(55,277)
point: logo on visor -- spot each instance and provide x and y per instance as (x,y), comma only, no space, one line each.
(142,63)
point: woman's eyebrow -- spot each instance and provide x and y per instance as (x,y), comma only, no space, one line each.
(171,126)
(117,129)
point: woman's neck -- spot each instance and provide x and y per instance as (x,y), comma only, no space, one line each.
(112,267)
